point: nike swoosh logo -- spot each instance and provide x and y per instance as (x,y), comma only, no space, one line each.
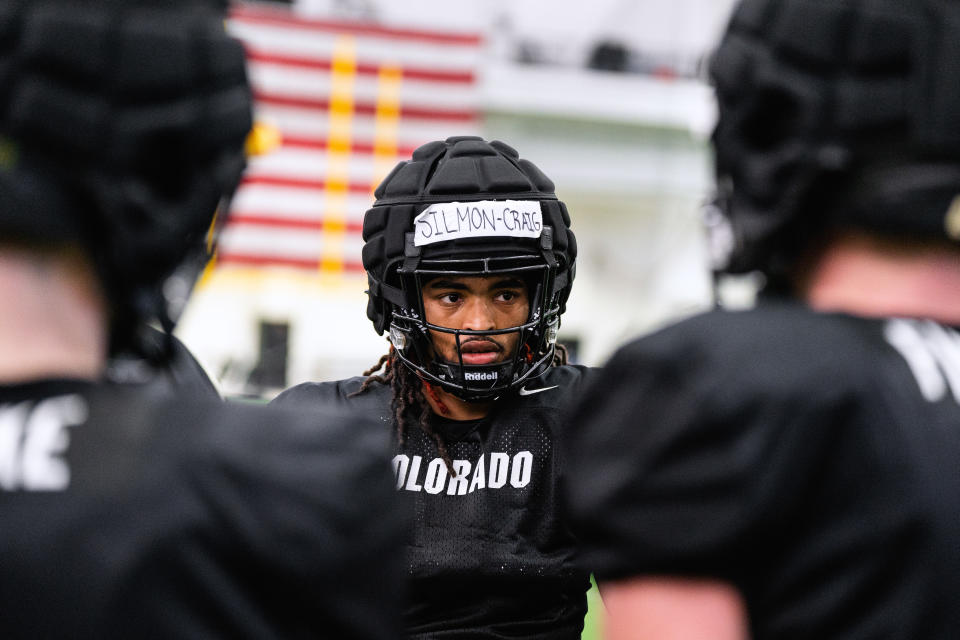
(529,392)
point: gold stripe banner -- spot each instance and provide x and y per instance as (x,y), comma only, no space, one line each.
(342,76)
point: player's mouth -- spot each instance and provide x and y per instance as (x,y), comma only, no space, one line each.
(480,351)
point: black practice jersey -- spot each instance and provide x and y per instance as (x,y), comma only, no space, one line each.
(128,516)
(812,460)
(491,556)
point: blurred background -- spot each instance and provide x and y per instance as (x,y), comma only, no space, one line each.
(607,98)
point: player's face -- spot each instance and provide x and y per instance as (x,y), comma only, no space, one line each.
(479,303)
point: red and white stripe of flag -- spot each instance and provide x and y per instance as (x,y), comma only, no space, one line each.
(350,100)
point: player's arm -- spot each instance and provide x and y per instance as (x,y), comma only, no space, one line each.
(672,608)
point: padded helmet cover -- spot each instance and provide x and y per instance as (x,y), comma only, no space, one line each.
(463,170)
(834,113)
(122,125)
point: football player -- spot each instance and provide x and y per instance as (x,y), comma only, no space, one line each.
(790,471)
(470,261)
(128,512)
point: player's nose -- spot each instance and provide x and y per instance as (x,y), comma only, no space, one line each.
(479,314)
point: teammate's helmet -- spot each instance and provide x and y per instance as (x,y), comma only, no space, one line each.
(122,124)
(467,207)
(835,114)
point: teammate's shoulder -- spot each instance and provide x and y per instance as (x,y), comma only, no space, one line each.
(774,343)
(238,433)
(284,474)
(188,431)
(769,329)
(336,391)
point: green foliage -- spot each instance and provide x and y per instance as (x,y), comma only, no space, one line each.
(593,623)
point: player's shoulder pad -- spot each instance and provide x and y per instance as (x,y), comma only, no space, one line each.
(566,376)
(339,393)
(558,386)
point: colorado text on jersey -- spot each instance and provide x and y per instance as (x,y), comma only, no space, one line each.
(491,471)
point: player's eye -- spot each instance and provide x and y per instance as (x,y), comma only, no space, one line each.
(451,297)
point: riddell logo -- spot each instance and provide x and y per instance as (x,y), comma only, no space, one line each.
(476,376)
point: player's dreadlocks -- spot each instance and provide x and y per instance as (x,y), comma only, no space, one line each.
(409,399)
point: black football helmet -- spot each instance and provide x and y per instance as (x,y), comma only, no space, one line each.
(467,207)
(122,126)
(834,114)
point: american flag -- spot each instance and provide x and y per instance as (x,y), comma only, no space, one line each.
(349,100)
